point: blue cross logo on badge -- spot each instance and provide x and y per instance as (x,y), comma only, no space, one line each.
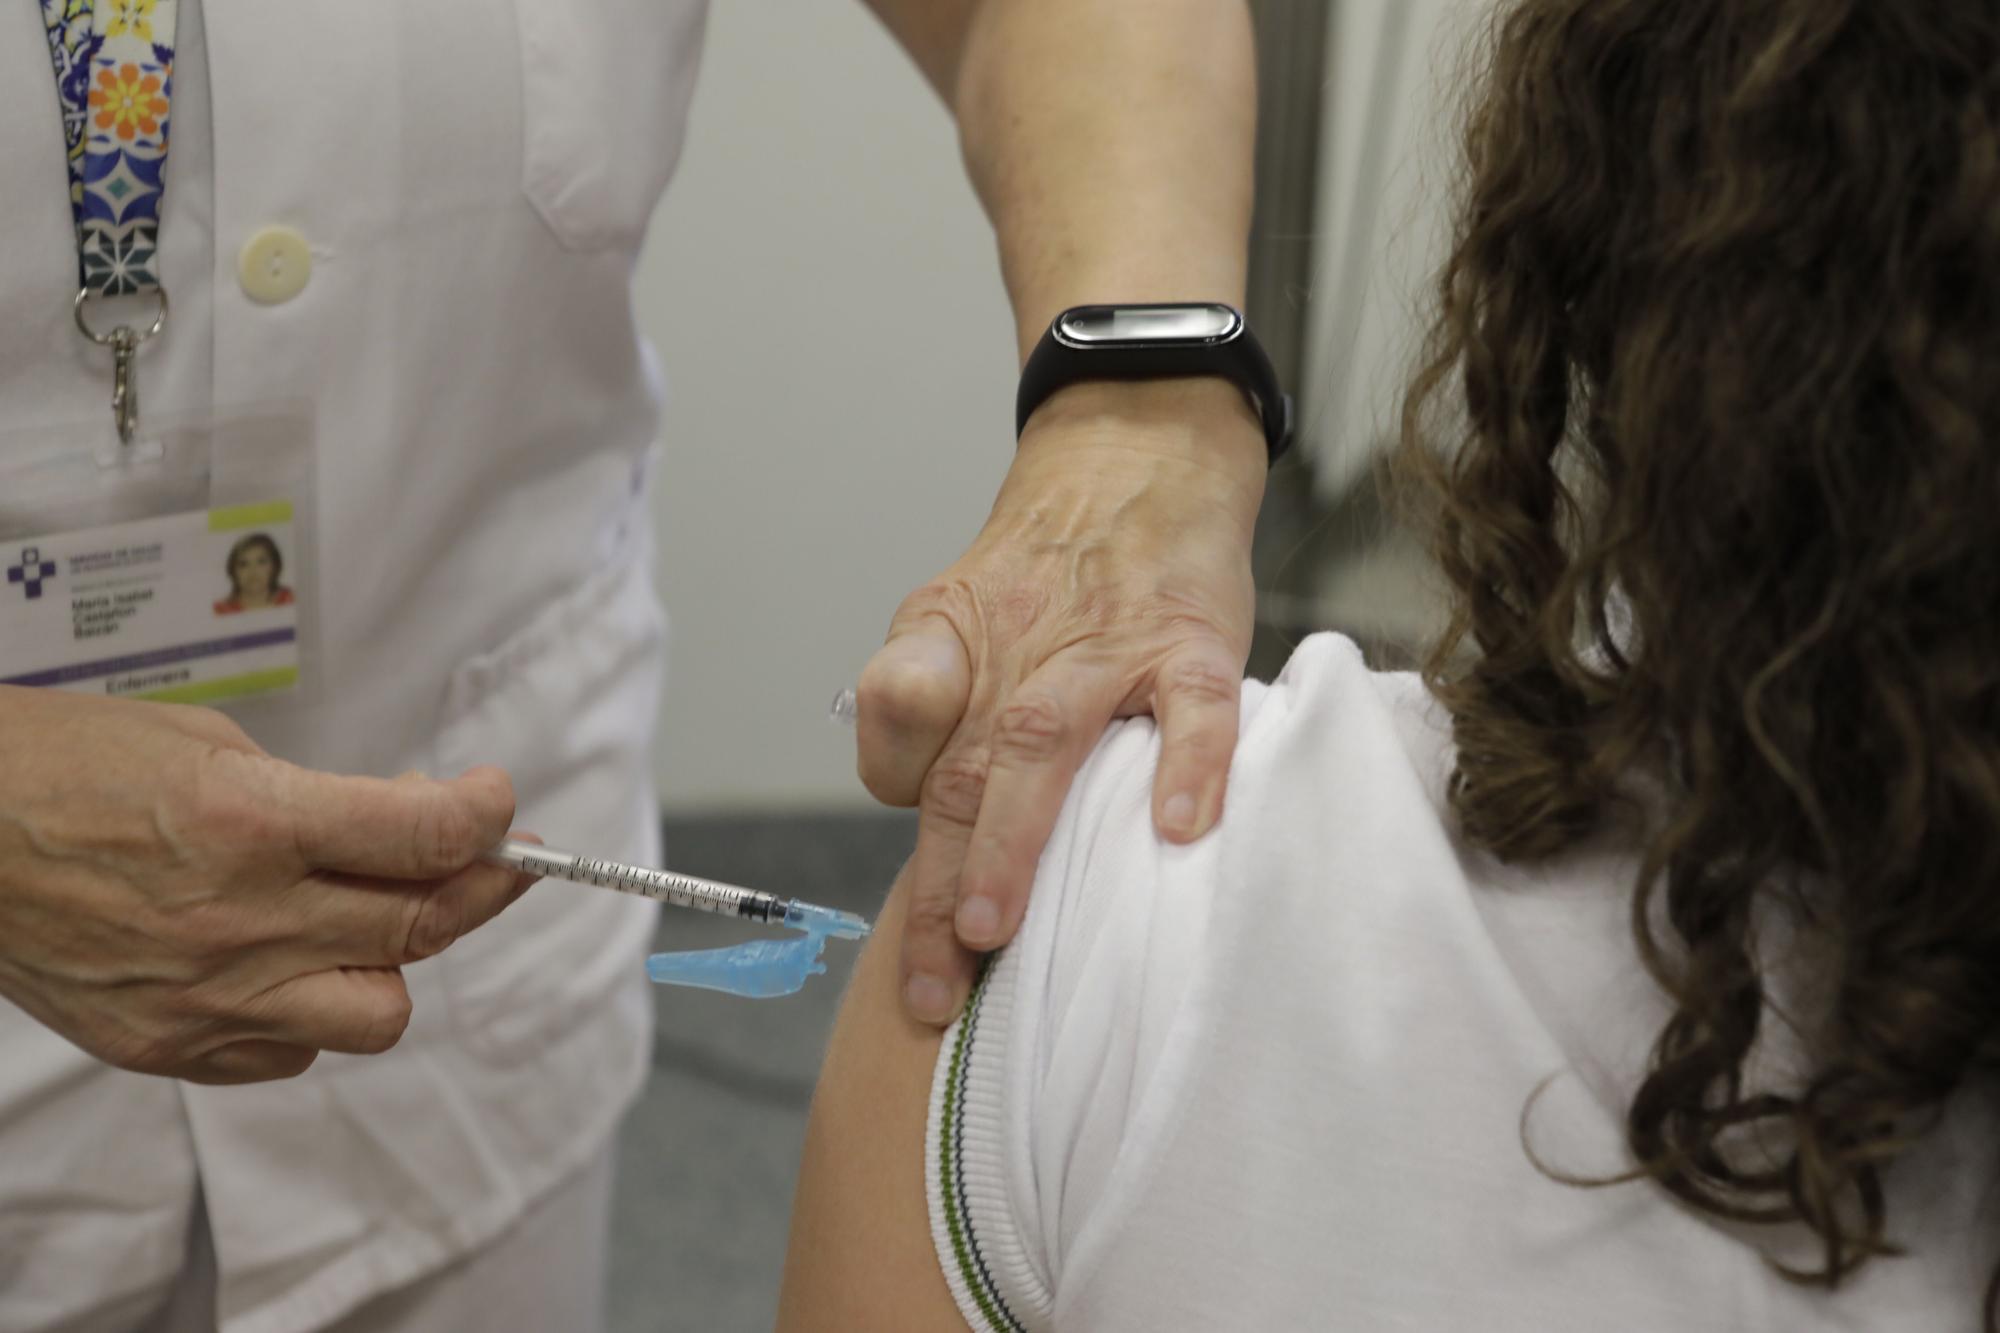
(31,572)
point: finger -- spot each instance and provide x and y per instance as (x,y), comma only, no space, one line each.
(353,1010)
(910,698)
(351,921)
(249,1062)
(1196,698)
(408,828)
(207,725)
(937,969)
(1040,737)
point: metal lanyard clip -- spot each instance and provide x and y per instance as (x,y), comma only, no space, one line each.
(124,343)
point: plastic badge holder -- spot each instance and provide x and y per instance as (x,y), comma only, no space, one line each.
(253,460)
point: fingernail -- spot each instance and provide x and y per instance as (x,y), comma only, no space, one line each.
(1178,814)
(928,997)
(978,921)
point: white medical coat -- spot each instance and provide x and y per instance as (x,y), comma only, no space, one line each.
(472,180)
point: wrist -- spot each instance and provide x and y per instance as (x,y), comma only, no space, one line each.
(1204,421)
(1192,341)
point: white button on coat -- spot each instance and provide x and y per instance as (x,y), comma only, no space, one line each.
(274,265)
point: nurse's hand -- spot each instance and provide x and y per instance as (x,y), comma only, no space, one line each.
(1112,578)
(175,901)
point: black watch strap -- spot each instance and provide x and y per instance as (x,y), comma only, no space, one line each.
(1135,342)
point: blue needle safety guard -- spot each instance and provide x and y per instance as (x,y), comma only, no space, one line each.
(761,969)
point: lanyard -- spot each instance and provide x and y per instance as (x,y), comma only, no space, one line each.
(114,62)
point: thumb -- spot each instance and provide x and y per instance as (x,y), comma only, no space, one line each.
(409,828)
(910,699)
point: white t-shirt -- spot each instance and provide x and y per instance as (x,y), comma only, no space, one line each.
(1276,1080)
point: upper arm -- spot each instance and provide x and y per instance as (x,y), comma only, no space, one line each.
(1083,1041)
(1080,1024)
(933,32)
(1059,1045)
(860,1254)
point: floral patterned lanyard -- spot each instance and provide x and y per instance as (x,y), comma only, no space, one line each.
(114,66)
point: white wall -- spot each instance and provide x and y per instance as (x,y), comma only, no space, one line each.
(822,290)
(1386,153)
(1383,229)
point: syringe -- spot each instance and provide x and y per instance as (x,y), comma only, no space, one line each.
(704,895)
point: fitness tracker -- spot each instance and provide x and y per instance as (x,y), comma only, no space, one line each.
(1135,342)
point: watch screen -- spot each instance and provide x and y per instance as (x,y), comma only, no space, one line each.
(1151,324)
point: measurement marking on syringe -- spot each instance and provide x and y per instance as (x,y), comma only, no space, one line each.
(661,885)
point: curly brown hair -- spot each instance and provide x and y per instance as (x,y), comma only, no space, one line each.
(1717,376)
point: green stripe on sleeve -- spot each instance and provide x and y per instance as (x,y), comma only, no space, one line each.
(958,1222)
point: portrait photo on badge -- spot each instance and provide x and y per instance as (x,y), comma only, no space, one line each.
(255,568)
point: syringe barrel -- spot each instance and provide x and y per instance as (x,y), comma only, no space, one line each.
(663,885)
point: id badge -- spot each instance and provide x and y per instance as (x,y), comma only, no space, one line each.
(180,568)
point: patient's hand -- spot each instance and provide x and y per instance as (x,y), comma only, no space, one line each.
(1112,578)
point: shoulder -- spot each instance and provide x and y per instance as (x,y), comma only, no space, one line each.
(1062,1082)
(1327,720)
(979,1169)
(1332,759)
(1330,714)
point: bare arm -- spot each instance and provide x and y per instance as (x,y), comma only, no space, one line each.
(860,1254)
(1111,142)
